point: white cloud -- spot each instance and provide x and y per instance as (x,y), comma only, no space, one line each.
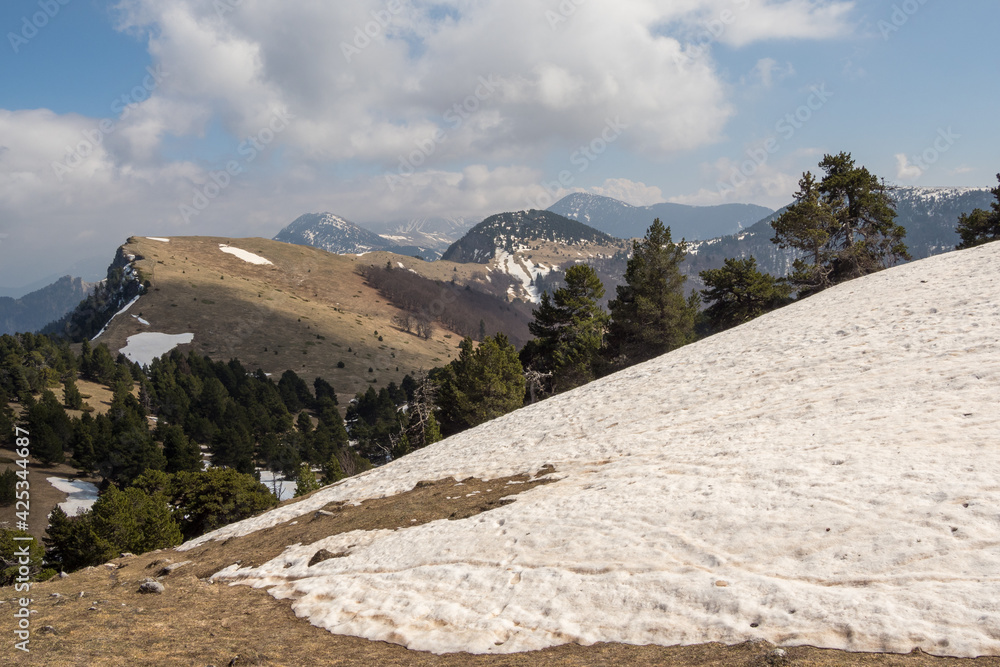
(906,171)
(494,87)
(770,184)
(552,86)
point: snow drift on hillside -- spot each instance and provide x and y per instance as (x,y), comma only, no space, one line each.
(824,475)
(245,255)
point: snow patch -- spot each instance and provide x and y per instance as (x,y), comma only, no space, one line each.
(244,255)
(82,495)
(143,348)
(125,308)
(158,238)
(282,488)
(141,321)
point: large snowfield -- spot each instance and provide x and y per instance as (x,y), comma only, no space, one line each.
(828,474)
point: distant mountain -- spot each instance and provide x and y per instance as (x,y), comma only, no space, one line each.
(510,232)
(33,311)
(432,235)
(342,237)
(689,222)
(928,214)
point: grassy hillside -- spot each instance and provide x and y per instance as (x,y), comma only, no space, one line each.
(308,311)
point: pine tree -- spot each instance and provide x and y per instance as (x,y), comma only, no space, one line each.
(72,398)
(845,225)
(323,390)
(569,329)
(432,431)
(332,471)
(180,452)
(82,443)
(650,315)
(51,429)
(305,481)
(738,293)
(482,384)
(980,226)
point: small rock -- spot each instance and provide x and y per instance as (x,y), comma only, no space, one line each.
(48,630)
(111,566)
(55,595)
(150,586)
(721,584)
(126,554)
(63,575)
(323,555)
(80,594)
(92,609)
(777,657)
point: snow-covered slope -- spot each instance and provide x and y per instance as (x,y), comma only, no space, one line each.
(331,233)
(824,475)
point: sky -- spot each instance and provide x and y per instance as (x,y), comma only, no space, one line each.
(234,117)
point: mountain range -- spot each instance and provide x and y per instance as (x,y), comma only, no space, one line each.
(33,311)
(929,216)
(625,221)
(527,251)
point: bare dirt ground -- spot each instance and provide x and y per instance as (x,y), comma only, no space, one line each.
(98,617)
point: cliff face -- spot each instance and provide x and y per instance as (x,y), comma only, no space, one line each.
(124,282)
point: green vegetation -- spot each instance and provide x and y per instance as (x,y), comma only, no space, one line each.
(650,315)
(738,293)
(980,226)
(844,225)
(569,331)
(484,383)
(10,558)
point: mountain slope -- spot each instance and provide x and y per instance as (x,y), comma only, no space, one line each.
(335,234)
(689,222)
(432,235)
(929,216)
(790,480)
(280,306)
(33,311)
(509,232)
(824,476)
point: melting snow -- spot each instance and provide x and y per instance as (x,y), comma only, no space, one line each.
(823,475)
(157,238)
(126,307)
(512,265)
(142,348)
(141,321)
(244,255)
(282,489)
(82,495)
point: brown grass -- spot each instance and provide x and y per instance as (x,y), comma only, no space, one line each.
(43,496)
(307,312)
(97,617)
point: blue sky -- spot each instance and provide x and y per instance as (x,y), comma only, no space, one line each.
(121,118)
